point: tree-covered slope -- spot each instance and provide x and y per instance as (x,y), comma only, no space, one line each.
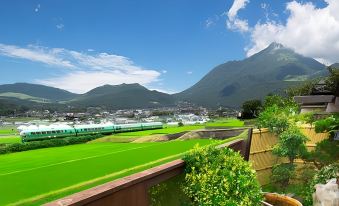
(124,96)
(270,70)
(37,91)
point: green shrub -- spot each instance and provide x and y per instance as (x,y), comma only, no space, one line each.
(275,119)
(281,175)
(329,124)
(325,153)
(220,177)
(19,147)
(323,175)
(291,144)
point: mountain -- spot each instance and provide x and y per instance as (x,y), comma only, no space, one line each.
(335,65)
(270,70)
(123,96)
(34,92)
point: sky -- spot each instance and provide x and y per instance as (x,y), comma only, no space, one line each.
(164,45)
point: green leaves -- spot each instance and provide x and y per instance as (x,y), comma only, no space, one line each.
(323,175)
(330,124)
(281,175)
(275,119)
(291,144)
(220,177)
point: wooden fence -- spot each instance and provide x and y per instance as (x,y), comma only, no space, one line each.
(261,155)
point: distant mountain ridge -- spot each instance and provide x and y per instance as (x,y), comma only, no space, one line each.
(125,96)
(230,84)
(270,70)
(37,91)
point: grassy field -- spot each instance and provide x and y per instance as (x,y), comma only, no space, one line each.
(10,140)
(8,130)
(41,175)
(167,130)
(225,122)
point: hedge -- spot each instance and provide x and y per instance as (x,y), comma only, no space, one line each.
(19,147)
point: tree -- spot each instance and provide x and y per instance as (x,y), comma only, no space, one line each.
(280,101)
(251,109)
(327,151)
(332,81)
(303,89)
(291,144)
(275,119)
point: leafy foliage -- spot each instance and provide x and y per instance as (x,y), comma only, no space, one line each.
(280,101)
(303,89)
(251,108)
(275,119)
(332,81)
(291,144)
(323,175)
(281,175)
(326,152)
(220,177)
(330,124)
(19,147)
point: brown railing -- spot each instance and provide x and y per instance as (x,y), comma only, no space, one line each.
(133,189)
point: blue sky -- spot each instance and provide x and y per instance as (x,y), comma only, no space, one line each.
(164,45)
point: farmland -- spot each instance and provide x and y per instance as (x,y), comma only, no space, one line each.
(10,139)
(166,130)
(10,130)
(38,176)
(225,122)
(45,174)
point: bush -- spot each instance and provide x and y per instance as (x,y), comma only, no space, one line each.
(325,153)
(19,147)
(281,175)
(291,144)
(251,109)
(275,119)
(220,177)
(321,177)
(330,125)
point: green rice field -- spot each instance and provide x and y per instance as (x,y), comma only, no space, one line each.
(166,130)
(34,177)
(10,140)
(8,130)
(225,122)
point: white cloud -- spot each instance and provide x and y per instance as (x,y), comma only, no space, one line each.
(309,30)
(164,71)
(164,90)
(60,26)
(233,22)
(208,23)
(37,8)
(83,71)
(189,72)
(83,81)
(37,54)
